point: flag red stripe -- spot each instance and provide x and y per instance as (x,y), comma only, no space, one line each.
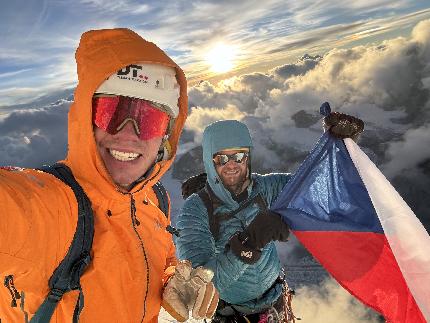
(363,263)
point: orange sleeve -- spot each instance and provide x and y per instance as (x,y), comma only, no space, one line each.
(16,200)
(36,217)
(171,262)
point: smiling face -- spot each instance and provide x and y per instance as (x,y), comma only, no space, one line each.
(125,156)
(233,174)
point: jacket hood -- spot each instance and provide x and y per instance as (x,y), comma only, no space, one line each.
(218,136)
(100,54)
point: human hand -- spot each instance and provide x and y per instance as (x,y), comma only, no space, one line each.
(241,249)
(265,227)
(343,125)
(190,290)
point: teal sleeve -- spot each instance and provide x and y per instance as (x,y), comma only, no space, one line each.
(196,243)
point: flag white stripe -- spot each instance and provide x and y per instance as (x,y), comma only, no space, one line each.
(407,237)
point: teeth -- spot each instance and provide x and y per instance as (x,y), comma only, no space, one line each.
(123,156)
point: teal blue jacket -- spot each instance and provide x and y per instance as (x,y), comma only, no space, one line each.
(251,288)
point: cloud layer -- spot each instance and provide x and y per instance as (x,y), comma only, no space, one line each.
(34,137)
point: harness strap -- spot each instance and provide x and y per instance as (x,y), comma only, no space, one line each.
(227,309)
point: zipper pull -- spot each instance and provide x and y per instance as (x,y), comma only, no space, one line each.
(8,283)
(132,205)
(12,285)
(133,211)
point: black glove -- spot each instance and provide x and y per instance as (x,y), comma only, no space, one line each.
(267,226)
(343,125)
(193,185)
(242,250)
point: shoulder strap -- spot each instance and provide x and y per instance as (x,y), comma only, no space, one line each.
(163,203)
(207,201)
(209,205)
(193,184)
(215,220)
(162,197)
(66,276)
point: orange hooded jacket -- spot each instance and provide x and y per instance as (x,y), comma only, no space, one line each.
(38,214)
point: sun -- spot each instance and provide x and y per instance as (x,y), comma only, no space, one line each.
(221,58)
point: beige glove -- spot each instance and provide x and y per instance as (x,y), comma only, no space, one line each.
(190,290)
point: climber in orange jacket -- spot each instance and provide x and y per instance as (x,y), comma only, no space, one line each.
(129,108)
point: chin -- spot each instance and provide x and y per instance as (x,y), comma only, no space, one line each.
(122,179)
(234,184)
(233,181)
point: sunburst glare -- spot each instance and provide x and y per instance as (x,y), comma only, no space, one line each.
(221,58)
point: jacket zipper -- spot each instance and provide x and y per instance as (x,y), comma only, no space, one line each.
(135,222)
(8,283)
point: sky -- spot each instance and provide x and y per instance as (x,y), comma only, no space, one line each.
(370,59)
(39,37)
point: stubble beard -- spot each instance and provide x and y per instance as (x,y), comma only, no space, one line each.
(239,187)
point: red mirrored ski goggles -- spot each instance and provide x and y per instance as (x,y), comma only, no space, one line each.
(112,113)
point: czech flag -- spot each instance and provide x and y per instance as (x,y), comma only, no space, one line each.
(349,217)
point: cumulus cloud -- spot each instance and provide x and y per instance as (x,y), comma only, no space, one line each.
(201,117)
(421,34)
(306,63)
(330,303)
(409,152)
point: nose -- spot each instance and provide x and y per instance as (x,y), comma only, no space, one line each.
(231,164)
(128,130)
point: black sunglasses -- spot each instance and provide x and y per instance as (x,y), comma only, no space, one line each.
(222,159)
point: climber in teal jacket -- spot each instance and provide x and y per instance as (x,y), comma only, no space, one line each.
(227,226)
(242,252)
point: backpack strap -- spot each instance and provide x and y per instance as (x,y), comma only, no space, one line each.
(209,205)
(193,184)
(163,203)
(162,197)
(66,276)
(210,200)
